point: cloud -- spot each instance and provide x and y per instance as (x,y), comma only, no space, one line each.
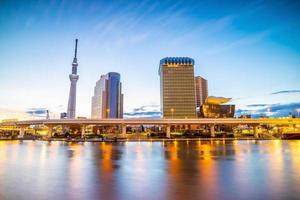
(31,113)
(152,115)
(257,105)
(273,110)
(286,92)
(6,113)
(147,111)
(138,37)
(256,110)
(244,41)
(146,108)
(37,111)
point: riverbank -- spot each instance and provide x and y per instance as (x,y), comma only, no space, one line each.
(143,140)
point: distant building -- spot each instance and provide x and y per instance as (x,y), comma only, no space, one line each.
(213,108)
(47,114)
(245,116)
(201,92)
(63,115)
(177,87)
(107,101)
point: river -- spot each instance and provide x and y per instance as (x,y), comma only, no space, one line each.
(150,170)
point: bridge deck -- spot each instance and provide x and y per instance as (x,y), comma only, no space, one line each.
(285,121)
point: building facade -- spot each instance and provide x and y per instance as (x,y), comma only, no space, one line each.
(217,111)
(201,90)
(177,88)
(215,107)
(107,101)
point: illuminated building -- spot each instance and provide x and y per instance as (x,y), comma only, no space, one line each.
(107,101)
(213,108)
(71,112)
(201,92)
(177,87)
(216,100)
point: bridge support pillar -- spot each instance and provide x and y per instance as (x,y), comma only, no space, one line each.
(83,131)
(255,131)
(50,131)
(212,131)
(123,130)
(22,132)
(168,131)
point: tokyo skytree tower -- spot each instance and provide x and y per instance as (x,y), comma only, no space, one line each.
(71,112)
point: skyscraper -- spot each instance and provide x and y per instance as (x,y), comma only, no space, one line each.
(71,112)
(177,87)
(201,90)
(107,101)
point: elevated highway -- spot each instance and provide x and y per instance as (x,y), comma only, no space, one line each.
(211,122)
(245,121)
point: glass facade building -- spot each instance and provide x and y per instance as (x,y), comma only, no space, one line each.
(201,90)
(107,101)
(201,93)
(177,88)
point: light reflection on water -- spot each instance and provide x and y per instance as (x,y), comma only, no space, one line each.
(150,170)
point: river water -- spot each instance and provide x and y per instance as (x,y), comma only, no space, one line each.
(150,170)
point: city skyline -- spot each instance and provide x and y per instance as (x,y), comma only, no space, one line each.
(262,60)
(149,99)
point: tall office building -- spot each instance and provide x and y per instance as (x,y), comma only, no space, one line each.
(177,88)
(107,101)
(201,90)
(71,112)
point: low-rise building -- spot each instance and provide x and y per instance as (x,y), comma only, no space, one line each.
(215,107)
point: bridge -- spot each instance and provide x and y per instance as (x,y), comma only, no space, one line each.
(167,123)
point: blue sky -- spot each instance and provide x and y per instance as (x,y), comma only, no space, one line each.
(246,50)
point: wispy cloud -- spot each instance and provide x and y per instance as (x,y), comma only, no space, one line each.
(7,113)
(286,92)
(244,41)
(257,105)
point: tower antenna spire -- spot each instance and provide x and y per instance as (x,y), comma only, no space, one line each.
(76,41)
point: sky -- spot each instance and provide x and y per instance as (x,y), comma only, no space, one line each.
(247,50)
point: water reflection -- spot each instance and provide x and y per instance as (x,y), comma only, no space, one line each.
(150,170)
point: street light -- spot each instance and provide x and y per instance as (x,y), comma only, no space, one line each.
(172,111)
(107,112)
